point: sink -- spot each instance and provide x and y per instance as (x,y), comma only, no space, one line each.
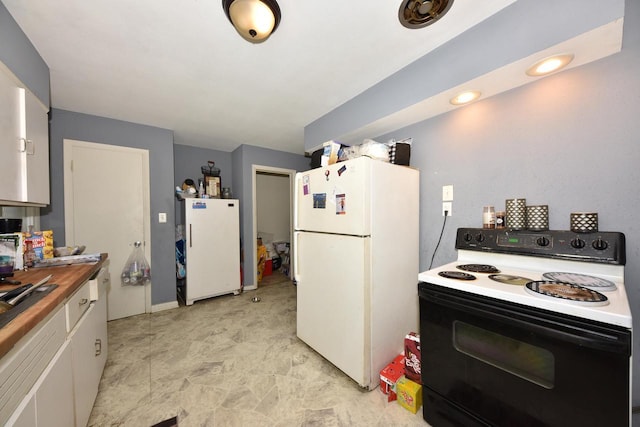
(27,302)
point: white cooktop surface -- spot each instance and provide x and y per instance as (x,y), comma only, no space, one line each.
(617,312)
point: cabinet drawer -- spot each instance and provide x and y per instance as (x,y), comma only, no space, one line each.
(21,367)
(77,305)
(99,283)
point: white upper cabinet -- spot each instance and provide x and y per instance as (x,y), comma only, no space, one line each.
(11,188)
(24,144)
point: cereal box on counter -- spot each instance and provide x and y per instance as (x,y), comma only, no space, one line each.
(41,242)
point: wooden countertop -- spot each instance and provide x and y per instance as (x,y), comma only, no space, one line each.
(67,277)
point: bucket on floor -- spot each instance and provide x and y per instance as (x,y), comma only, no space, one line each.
(268,268)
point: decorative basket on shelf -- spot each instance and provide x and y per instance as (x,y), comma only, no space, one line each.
(210,169)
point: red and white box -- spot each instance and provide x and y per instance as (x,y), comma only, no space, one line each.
(412,357)
(390,375)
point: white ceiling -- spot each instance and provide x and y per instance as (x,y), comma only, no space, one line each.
(180,65)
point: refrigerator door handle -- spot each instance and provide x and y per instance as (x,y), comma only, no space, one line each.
(190,237)
(296,272)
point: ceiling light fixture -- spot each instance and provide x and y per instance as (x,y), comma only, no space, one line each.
(420,13)
(255,20)
(549,65)
(465,97)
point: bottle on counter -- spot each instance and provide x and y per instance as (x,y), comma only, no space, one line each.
(488,217)
(29,254)
(500,219)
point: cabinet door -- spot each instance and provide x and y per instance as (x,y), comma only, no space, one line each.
(25,415)
(11,188)
(100,344)
(54,395)
(89,357)
(36,146)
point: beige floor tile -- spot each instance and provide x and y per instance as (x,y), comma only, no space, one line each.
(228,361)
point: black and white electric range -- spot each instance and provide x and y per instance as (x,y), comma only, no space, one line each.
(527,329)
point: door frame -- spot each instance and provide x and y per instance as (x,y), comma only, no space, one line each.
(291,173)
(68,144)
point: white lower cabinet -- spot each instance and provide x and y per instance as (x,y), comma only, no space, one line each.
(89,351)
(50,381)
(25,415)
(50,401)
(54,395)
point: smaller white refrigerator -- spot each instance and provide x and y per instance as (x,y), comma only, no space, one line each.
(212,248)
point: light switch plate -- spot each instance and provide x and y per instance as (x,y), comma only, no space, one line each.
(447,193)
(162,217)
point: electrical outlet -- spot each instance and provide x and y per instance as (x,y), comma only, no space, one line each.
(162,217)
(447,193)
(446,207)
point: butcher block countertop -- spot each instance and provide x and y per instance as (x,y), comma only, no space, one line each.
(67,277)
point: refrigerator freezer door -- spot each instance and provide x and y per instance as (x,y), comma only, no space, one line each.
(335,198)
(332,274)
(213,248)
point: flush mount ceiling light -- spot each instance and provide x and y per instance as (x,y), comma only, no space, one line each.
(465,97)
(420,13)
(549,65)
(255,20)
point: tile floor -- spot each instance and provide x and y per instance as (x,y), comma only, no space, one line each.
(227,361)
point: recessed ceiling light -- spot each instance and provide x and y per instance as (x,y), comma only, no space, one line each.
(549,65)
(465,97)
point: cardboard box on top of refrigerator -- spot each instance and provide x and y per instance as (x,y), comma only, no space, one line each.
(330,153)
(390,375)
(42,243)
(412,356)
(409,394)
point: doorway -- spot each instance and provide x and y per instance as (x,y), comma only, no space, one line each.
(106,200)
(272,193)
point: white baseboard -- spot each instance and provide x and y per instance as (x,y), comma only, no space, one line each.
(164,306)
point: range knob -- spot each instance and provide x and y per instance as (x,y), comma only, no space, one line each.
(542,241)
(577,243)
(480,238)
(599,244)
(468,237)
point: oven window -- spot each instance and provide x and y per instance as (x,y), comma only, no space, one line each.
(524,360)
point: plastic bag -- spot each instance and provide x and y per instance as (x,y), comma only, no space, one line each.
(136,270)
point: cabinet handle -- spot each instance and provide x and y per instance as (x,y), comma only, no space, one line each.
(83,301)
(98,345)
(27,146)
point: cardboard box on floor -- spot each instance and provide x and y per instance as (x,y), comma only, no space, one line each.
(390,375)
(409,394)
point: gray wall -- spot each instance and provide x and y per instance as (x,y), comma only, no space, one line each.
(517,31)
(570,141)
(159,143)
(187,162)
(243,158)
(273,201)
(21,57)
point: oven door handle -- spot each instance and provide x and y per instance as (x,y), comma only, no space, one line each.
(613,342)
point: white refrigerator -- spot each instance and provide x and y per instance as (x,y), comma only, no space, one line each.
(212,248)
(356,263)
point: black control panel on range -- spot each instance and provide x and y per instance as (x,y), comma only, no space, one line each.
(602,247)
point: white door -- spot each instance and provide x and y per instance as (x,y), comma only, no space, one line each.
(333,277)
(106,209)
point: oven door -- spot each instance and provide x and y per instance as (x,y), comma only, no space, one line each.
(489,362)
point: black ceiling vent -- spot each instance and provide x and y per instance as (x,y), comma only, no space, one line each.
(420,13)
